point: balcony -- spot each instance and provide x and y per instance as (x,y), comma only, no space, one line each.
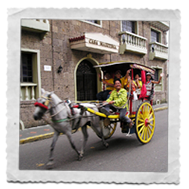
(158,51)
(132,43)
(36,25)
(164,26)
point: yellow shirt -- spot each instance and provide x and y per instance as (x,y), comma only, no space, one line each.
(123,81)
(120,98)
(111,81)
(140,83)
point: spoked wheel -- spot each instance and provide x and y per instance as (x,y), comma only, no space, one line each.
(145,122)
(108,130)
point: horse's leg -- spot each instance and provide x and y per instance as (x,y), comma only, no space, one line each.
(85,138)
(98,129)
(104,141)
(69,135)
(102,135)
(55,138)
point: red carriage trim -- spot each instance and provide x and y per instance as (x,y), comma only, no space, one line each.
(76,106)
(117,113)
(41,105)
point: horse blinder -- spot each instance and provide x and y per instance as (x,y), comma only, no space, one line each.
(47,102)
(41,105)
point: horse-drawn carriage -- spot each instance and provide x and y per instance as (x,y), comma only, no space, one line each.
(140,111)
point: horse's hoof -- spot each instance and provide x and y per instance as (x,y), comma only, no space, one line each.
(80,157)
(50,165)
(106,145)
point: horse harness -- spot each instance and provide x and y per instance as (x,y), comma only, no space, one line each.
(46,103)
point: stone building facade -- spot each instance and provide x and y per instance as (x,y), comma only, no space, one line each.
(54,51)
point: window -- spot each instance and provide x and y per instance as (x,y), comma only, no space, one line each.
(97,23)
(155,36)
(30,78)
(158,71)
(94,21)
(156,75)
(129,26)
(26,68)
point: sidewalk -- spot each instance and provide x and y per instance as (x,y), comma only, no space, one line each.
(160,107)
(46,131)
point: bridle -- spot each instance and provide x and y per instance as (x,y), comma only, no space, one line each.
(41,105)
(46,103)
(45,106)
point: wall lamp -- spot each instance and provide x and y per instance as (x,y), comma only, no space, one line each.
(60,68)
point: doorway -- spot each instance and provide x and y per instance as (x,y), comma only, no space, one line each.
(86,81)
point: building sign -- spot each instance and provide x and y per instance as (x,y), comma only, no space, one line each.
(47,68)
(95,42)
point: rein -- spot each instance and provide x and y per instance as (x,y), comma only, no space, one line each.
(45,105)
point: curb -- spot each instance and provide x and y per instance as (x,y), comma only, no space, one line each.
(49,135)
(36,138)
(162,108)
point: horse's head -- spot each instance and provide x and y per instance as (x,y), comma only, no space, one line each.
(42,104)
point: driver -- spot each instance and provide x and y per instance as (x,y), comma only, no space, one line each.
(118,100)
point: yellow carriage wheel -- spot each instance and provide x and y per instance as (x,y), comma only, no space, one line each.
(108,130)
(111,127)
(145,122)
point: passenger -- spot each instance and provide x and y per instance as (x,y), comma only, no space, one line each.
(127,85)
(109,82)
(138,83)
(133,88)
(150,84)
(149,78)
(123,79)
(117,75)
(118,100)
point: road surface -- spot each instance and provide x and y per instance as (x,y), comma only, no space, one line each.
(123,154)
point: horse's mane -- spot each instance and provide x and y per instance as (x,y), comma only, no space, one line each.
(56,97)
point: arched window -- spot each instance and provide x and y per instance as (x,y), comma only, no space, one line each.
(86,81)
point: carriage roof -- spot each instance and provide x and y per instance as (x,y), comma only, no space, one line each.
(123,65)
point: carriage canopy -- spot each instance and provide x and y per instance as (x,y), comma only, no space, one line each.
(111,67)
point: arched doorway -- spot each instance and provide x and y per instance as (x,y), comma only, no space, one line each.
(86,81)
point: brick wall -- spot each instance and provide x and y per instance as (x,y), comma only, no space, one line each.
(55,51)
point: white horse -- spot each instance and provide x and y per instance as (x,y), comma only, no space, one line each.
(64,122)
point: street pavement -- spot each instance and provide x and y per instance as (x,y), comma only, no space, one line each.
(125,153)
(46,131)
